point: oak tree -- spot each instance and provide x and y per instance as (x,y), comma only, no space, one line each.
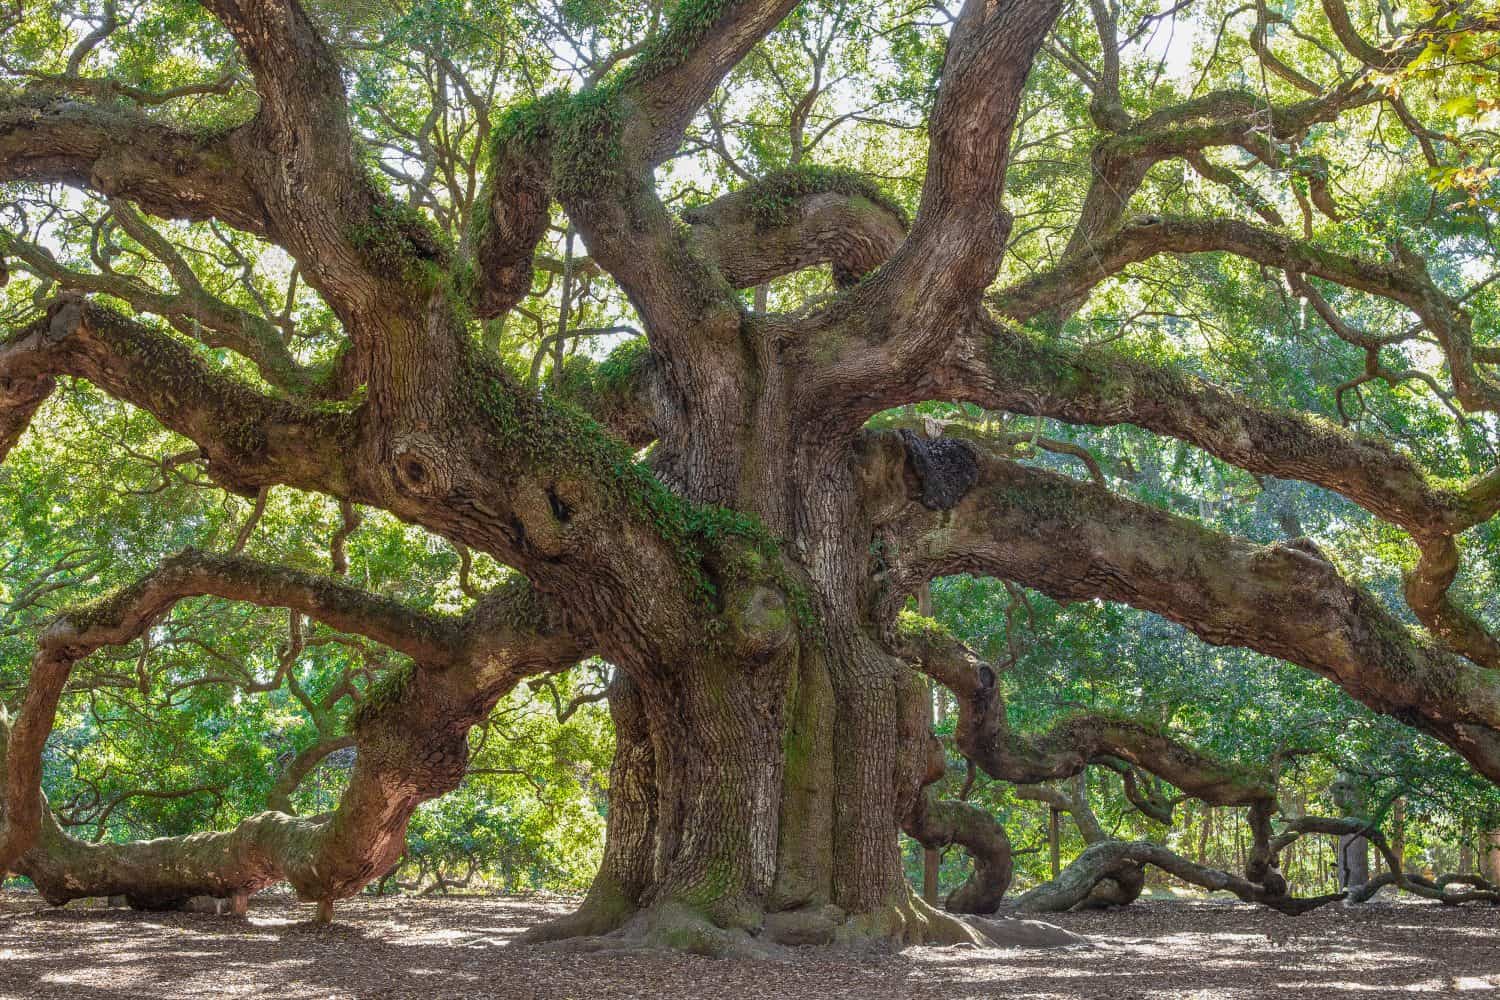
(734,508)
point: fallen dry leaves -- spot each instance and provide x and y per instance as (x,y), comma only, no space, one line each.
(437,949)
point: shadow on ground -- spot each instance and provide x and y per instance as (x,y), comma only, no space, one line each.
(435,949)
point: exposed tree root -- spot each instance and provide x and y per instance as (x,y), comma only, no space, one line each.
(908,920)
(603,910)
(905,922)
(668,927)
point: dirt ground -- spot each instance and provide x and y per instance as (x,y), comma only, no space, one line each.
(435,949)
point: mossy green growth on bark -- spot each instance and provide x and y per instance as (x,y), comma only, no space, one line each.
(913,627)
(709,288)
(583,378)
(581,132)
(687,23)
(516,604)
(386,692)
(397,240)
(520,130)
(587,155)
(773,197)
(585,127)
(550,437)
(528,122)
(622,364)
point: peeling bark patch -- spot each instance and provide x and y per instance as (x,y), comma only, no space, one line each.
(946,467)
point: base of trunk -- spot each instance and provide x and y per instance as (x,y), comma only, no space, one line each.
(601,924)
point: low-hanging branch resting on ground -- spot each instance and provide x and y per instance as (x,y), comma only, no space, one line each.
(1395,874)
(984,737)
(410,732)
(1113,858)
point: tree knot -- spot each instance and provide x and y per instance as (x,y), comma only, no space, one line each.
(420,471)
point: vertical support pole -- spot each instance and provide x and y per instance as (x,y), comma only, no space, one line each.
(1353,861)
(1398,833)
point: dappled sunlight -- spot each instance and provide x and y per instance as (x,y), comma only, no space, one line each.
(459,947)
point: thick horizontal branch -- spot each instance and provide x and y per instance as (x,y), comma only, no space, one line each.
(798,219)
(1003,368)
(1403,279)
(249,439)
(121,153)
(523,478)
(1074,540)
